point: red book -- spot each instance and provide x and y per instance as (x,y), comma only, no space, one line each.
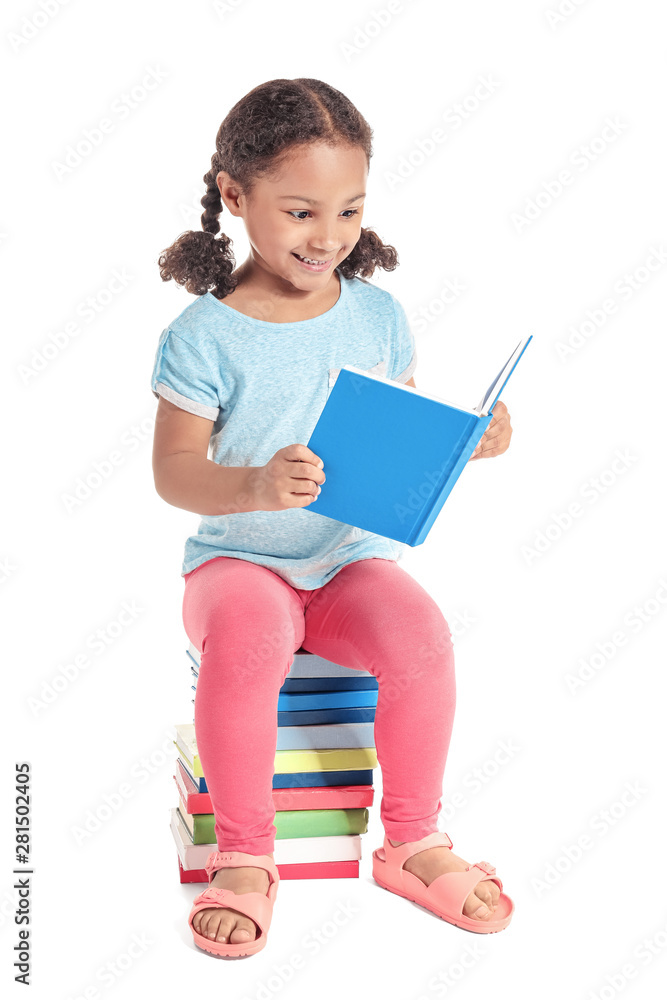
(315,869)
(321,797)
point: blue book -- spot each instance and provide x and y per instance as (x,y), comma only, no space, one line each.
(302,779)
(309,672)
(325,716)
(350,683)
(392,453)
(348,736)
(323,699)
(330,683)
(317,779)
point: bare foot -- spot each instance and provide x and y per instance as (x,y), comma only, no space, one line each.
(427,865)
(222,924)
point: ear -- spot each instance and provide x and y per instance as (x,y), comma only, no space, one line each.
(230,192)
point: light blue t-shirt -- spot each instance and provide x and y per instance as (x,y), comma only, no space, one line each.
(264,385)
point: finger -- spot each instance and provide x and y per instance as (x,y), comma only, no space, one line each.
(501,430)
(491,441)
(308,471)
(482,447)
(487,449)
(498,413)
(501,439)
(498,424)
(304,486)
(491,452)
(307,455)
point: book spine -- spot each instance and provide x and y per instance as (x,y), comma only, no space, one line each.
(468,441)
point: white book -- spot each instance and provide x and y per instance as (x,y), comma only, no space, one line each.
(305,665)
(291,851)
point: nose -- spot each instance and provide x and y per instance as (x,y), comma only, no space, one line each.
(326,240)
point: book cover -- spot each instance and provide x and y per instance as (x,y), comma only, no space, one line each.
(301,700)
(295,850)
(302,797)
(292,685)
(392,453)
(326,716)
(311,869)
(297,779)
(356,758)
(305,665)
(342,736)
(289,823)
(334,736)
(297,685)
(328,779)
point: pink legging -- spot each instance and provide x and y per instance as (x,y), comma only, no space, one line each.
(372,615)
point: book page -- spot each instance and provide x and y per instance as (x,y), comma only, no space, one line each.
(500,377)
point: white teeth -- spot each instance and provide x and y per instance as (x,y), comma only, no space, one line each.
(309,260)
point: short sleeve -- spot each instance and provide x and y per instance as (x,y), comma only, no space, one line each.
(404,352)
(183,376)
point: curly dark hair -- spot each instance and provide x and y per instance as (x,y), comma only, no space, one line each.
(254,139)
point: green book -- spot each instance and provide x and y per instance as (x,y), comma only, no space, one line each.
(289,823)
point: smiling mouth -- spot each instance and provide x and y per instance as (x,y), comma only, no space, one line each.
(312,260)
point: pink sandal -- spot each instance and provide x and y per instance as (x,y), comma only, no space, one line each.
(447,893)
(253,904)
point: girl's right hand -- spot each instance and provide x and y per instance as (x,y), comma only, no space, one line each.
(290,478)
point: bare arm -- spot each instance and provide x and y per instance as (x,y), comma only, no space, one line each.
(185,477)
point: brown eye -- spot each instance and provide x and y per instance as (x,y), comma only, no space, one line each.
(304,211)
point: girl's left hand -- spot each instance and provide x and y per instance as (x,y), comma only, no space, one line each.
(496,437)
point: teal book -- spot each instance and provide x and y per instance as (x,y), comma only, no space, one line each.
(393,453)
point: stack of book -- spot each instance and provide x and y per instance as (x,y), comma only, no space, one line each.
(323,780)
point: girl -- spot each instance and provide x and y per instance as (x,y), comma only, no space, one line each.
(246,368)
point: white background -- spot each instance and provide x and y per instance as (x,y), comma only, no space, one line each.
(537,615)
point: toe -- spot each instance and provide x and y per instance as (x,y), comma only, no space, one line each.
(494,893)
(213,925)
(244,930)
(225,926)
(485,896)
(476,908)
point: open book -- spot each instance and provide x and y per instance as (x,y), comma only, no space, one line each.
(393,453)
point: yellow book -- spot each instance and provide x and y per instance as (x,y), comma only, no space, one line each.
(286,761)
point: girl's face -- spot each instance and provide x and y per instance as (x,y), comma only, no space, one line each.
(312,208)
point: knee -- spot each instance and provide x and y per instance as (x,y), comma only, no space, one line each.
(429,645)
(257,645)
(416,645)
(435,646)
(422,661)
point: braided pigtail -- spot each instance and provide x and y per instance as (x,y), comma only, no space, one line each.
(196,259)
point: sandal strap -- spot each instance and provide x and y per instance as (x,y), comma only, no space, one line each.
(238,859)
(451,889)
(252,904)
(396,857)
